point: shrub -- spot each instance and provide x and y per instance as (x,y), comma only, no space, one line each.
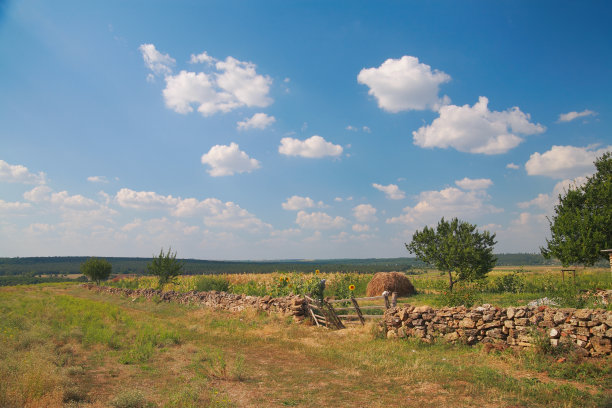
(463,294)
(165,267)
(207,283)
(96,269)
(510,283)
(130,399)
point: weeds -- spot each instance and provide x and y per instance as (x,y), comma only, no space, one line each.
(130,399)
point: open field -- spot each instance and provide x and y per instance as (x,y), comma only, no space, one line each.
(504,286)
(61,345)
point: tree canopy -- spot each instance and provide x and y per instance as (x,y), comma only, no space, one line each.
(457,248)
(96,269)
(582,222)
(165,266)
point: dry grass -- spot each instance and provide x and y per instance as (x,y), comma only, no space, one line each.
(391,282)
(246,360)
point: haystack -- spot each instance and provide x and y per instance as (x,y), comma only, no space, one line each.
(392,282)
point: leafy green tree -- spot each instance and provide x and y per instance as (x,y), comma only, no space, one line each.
(165,266)
(582,223)
(457,248)
(96,269)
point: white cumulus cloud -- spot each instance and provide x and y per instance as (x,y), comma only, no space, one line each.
(319,221)
(547,202)
(143,200)
(313,147)
(360,227)
(201,58)
(364,213)
(257,121)
(562,162)
(240,79)
(160,64)
(512,166)
(16,173)
(189,88)
(223,86)
(404,84)
(391,191)
(474,184)
(296,202)
(569,116)
(449,202)
(16,206)
(228,160)
(476,129)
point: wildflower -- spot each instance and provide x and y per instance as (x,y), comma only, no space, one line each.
(317,272)
(281,278)
(351,287)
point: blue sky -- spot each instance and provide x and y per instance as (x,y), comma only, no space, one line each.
(302,129)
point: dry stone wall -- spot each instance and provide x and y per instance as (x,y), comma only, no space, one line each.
(289,305)
(590,330)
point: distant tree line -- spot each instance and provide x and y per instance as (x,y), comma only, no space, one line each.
(35,266)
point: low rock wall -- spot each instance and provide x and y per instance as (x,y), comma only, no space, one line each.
(590,330)
(289,305)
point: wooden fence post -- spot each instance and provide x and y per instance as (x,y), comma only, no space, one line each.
(356,305)
(386,296)
(394,299)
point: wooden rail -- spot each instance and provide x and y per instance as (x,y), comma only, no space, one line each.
(325,314)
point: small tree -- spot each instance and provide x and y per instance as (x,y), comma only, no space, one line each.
(165,266)
(96,269)
(457,248)
(582,224)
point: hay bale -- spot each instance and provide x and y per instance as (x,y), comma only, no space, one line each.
(392,282)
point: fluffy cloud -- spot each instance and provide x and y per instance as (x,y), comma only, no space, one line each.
(474,184)
(16,173)
(226,85)
(160,64)
(61,199)
(364,213)
(548,201)
(144,200)
(295,203)
(512,166)
(190,88)
(360,227)
(314,147)
(230,215)
(228,160)
(38,194)
(257,121)
(403,84)
(319,220)
(215,212)
(16,206)
(240,79)
(392,191)
(202,58)
(569,116)
(562,162)
(450,202)
(476,129)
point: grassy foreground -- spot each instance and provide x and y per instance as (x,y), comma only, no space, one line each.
(61,345)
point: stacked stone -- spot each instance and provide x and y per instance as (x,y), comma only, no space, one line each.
(589,330)
(288,305)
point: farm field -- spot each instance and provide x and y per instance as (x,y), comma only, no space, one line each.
(504,286)
(61,345)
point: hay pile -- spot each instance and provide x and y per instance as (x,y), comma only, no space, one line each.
(392,282)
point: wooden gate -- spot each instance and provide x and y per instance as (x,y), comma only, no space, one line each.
(323,313)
